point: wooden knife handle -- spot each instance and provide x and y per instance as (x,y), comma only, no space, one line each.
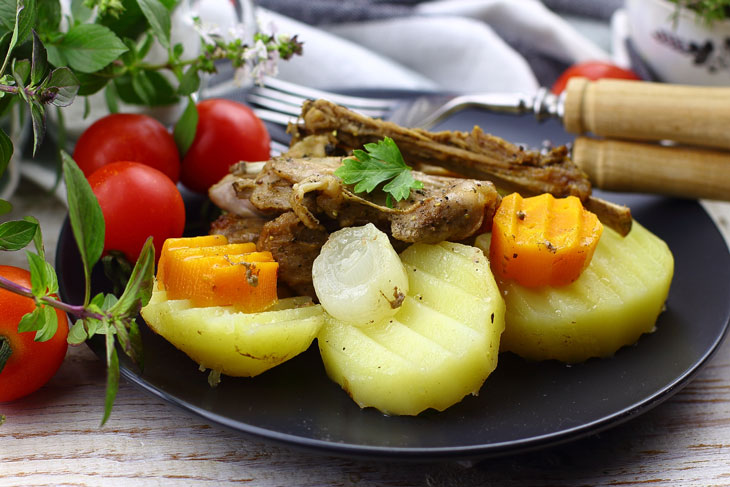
(652,168)
(641,110)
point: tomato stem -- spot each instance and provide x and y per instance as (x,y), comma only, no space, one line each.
(78,311)
(5,352)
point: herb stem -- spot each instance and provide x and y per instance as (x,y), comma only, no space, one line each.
(78,311)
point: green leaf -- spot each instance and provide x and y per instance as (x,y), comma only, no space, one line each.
(159,19)
(38,117)
(50,324)
(32,321)
(28,19)
(77,333)
(91,83)
(5,352)
(383,162)
(112,378)
(135,341)
(43,320)
(90,47)
(6,151)
(110,96)
(190,82)
(17,234)
(184,131)
(5,207)
(21,71)
(131,25)
(143,47)
(49,15)
(139,287)
(38,237)
(152,85)
(80,12)
(39,61)
(87,220)
(43,278)
(17,6)
(63,85)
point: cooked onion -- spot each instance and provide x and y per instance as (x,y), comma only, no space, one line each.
(358,276)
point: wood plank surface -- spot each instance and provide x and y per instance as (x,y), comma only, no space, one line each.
(53,438)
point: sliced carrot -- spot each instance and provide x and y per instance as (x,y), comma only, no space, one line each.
(542,241)
(183,243)
(220,274)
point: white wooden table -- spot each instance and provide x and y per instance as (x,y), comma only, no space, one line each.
(53,437)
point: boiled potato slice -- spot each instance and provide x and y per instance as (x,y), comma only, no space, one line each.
(440,346)
(614,301)
(232,342)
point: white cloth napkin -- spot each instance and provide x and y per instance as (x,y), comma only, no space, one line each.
(453,45)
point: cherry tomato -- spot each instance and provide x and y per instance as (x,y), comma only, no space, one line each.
(31,364)
(137,201)
(592,70)
(127,137)
(227,132)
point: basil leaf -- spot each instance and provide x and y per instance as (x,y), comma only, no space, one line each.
(21,71)
(184,131)
(112,377)
(190,82)
(139,287)
(27,19)
(15,235)
(49,326)
(159,19)
(87,220)
(39,61)
(77,333)
(90,47)
(90,83)
(110,96)
(135,342)
(13,26)
(38,117)
(63,85)
(49,15)
(6,151)
(5,207)
(32,321)
(43,280)
(80,12)
(151,85)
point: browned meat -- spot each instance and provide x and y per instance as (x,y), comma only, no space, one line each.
(294,246)
(238,229)
(475,154)
(445,209)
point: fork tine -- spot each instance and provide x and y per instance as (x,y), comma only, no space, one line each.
(379,105)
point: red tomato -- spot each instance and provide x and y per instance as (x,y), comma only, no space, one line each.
(227,132)
(137,201)
(31,363)
(127,137)
(592,70)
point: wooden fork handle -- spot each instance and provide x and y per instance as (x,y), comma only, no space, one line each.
(641,110)
(652,168)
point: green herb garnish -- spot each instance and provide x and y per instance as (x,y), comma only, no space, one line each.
(382,162)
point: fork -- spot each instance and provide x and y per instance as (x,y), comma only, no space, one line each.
(280,102)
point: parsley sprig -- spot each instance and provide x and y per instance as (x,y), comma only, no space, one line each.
(378,163)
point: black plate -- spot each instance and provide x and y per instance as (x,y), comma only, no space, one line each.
(521,406)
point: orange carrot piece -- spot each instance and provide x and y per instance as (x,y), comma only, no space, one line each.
(170,269)
(246,281)
(542,241)
(182,243)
